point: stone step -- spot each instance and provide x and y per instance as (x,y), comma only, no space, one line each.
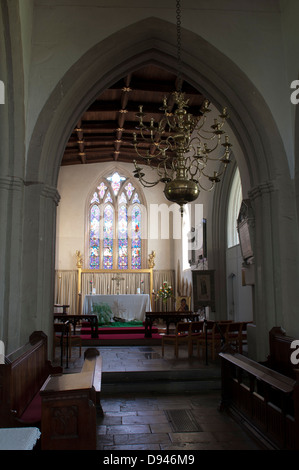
(161,381)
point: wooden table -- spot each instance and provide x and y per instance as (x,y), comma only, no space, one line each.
(168,317)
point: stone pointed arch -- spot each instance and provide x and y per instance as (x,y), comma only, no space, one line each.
(262,160)
(154,41)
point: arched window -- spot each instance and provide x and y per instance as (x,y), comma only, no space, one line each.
(234,204)
(115,224)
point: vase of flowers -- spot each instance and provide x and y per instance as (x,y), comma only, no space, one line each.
(164,293)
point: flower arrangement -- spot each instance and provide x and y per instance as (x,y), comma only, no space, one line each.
(165,292)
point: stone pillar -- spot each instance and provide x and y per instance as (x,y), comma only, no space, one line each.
(27,253)
(38,260)
(11,204)
(275,258)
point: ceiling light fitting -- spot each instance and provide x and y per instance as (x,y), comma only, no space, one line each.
(185,155)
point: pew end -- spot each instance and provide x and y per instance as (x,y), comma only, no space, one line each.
(70,405)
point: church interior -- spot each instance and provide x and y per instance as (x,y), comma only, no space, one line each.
(131,265)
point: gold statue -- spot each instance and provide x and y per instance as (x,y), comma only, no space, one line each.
(151,259)
(79,259)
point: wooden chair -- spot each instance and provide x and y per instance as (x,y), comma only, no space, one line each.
(243,336)
(70,339)
(181,336)
(233,334)
(214,336)
(196,334)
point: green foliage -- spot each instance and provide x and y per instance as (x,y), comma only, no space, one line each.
(104,313)
(118,324)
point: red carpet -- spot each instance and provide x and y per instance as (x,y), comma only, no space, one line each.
(125,335)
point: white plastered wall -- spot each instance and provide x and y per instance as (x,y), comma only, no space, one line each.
(74,186)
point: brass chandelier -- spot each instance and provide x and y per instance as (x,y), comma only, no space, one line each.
(185,155)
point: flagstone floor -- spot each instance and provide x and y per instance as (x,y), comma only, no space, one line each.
(160,403)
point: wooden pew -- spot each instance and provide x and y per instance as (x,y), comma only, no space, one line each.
(70,403)
(266,401)
(21,378)
(280,351)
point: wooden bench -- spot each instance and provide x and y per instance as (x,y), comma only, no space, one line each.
(70,403)
(21,378)
(280,351)
(266,401)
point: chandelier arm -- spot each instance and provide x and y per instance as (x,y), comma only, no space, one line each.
(208,151)
(147,156)
(146,183)
(163,170)
(220,173)
(217,159)
(205,137)
(200,123)
(142,156)
(171,143)
(194,164)
(171,125)
(148,139)
(206,189)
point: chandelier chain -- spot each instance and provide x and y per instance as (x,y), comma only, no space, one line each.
(184,153)
(178,27)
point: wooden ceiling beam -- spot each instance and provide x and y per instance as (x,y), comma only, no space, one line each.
(105,130)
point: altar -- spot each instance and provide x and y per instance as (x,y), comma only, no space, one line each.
(127,306)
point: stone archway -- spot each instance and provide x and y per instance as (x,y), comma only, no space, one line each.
(263,166)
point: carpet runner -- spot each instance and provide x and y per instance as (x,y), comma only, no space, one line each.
(119,335)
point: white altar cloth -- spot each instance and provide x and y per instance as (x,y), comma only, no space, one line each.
(18,438)
(126,306)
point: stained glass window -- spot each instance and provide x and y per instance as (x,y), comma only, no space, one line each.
(116,180)
(102,188)
(122,198)
(115,223)
(129,188)
(122,237)
(135,198)
(108,217)
(94,237)
(95,198)
(108,197)
(136,237)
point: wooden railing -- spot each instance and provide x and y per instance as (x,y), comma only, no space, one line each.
(263,399)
